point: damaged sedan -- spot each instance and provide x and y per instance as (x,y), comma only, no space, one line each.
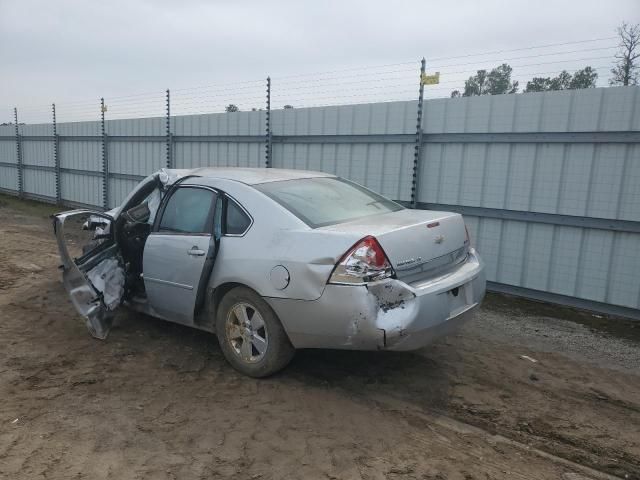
(272,261)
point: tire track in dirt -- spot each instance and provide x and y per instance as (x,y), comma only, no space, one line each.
(445,421)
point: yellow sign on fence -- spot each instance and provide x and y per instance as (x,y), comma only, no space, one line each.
(430,79)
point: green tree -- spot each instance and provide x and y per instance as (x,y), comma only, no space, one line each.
(495,82)
(626,70)
(500,80)
(231,108)
(538,84)
(585,78)
(476,85)
(561,82)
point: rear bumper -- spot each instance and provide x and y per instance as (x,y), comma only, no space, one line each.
(389,314)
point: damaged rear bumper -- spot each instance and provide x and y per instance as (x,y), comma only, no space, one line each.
(389,314)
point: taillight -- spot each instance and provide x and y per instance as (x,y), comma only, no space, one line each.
(467,241)
(364,262)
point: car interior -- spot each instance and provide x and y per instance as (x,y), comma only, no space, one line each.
(132,229)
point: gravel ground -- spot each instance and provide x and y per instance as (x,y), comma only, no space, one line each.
(158,401)
(582,336)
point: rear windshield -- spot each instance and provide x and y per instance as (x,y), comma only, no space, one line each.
(327,200)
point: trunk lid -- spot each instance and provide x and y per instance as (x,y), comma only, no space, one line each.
(419,243)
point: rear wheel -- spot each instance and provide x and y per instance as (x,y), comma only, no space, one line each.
(250,335)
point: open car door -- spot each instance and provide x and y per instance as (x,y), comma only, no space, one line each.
(93,272)
(180,252)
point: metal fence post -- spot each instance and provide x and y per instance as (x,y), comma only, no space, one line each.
(18,154)
(105,158)
(268,148)
(56,155)
(168,133)
(417,158)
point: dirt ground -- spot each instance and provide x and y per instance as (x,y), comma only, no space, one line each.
(158,401)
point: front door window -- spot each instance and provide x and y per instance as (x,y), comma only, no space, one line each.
(188,211)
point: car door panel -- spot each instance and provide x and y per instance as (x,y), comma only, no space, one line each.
(176,260)
(172,268)
(92,272)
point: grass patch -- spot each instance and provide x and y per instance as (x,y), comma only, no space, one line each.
(28,207)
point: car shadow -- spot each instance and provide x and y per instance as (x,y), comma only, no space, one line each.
(415,377)
(422,378)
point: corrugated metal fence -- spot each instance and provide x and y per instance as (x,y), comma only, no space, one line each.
(549,183)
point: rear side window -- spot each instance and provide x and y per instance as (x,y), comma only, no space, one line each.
(237,222)
(327,200)
(189,210)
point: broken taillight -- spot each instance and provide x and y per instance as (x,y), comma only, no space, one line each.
(467,240)
(364,262)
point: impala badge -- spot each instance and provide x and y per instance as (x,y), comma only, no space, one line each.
(409,261)
(439,239)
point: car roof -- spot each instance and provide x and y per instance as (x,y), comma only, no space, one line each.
(250,176)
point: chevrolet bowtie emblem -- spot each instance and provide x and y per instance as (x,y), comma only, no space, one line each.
(439,239)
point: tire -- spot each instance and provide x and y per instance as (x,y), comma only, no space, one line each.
(253,342)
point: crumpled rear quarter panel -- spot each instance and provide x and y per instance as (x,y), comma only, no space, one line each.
(388,314)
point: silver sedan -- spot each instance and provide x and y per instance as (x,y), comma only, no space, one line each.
(271,261)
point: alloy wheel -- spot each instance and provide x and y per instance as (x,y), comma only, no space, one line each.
(246,332)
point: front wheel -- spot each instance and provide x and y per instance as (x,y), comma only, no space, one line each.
(250,334)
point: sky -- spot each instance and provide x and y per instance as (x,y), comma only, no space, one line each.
(72,52)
